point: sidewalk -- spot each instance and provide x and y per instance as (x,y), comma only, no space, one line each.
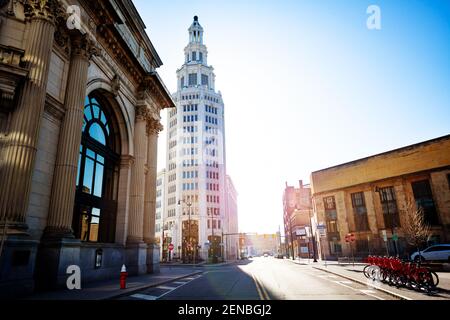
(355,273)
(110,289)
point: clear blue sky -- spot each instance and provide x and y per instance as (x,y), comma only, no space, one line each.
(306,85)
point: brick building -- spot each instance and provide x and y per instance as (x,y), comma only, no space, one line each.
(297,218)
(369,197)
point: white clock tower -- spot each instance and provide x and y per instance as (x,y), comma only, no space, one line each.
(196,171)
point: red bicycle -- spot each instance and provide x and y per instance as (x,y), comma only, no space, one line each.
(394,271)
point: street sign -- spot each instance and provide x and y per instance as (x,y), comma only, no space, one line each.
(321,227)
(350,237)
(171,247)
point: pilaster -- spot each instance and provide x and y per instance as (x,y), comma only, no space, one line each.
(137,187)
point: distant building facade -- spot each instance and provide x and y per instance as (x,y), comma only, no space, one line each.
(258,244)
(231,239)
(368,197)
(297,216)
(159,214)
(79,123)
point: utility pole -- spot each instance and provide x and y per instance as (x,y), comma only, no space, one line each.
(162,239)
(222,245)
(313,238)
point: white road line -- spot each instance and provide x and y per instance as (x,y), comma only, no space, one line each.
(370,293)
(180,285)
(360,290)
(170,289)
(143,296)
(166,288)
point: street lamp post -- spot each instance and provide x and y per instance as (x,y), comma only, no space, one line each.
(222,246)
(162,240)
(212,237)
(384,195)
(189,204)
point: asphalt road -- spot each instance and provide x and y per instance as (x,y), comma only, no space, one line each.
(262,279)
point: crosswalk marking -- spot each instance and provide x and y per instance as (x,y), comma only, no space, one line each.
(166,287)
(143,296)
(178,284)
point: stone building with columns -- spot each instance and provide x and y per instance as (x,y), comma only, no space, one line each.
(79,123)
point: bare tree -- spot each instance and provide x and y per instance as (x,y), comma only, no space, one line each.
(416,229)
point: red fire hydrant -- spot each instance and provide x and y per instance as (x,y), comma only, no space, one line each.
(123,277)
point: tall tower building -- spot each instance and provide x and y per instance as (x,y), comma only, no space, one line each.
(196,170)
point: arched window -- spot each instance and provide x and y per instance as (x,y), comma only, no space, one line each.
(95,208)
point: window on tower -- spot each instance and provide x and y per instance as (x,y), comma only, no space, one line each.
(194,56)
(182,82)
(192,79)
(200,56)
(204,80)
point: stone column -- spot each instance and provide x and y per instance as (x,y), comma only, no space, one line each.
(59,223)
(136,248)
(136,214)
(153,128)
(20,147)
(123,199)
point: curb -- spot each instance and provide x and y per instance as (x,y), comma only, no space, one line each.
(137,289)
(204,265)
(393,294)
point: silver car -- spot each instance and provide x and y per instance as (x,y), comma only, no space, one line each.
(433,253)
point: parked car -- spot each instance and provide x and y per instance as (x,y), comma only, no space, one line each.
(437,252)
(265,255)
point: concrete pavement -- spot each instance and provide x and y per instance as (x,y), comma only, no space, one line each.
(110,289)
(262,279)
(254,279)
(355,273)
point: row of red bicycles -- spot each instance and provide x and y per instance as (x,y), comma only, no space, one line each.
(400,273)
